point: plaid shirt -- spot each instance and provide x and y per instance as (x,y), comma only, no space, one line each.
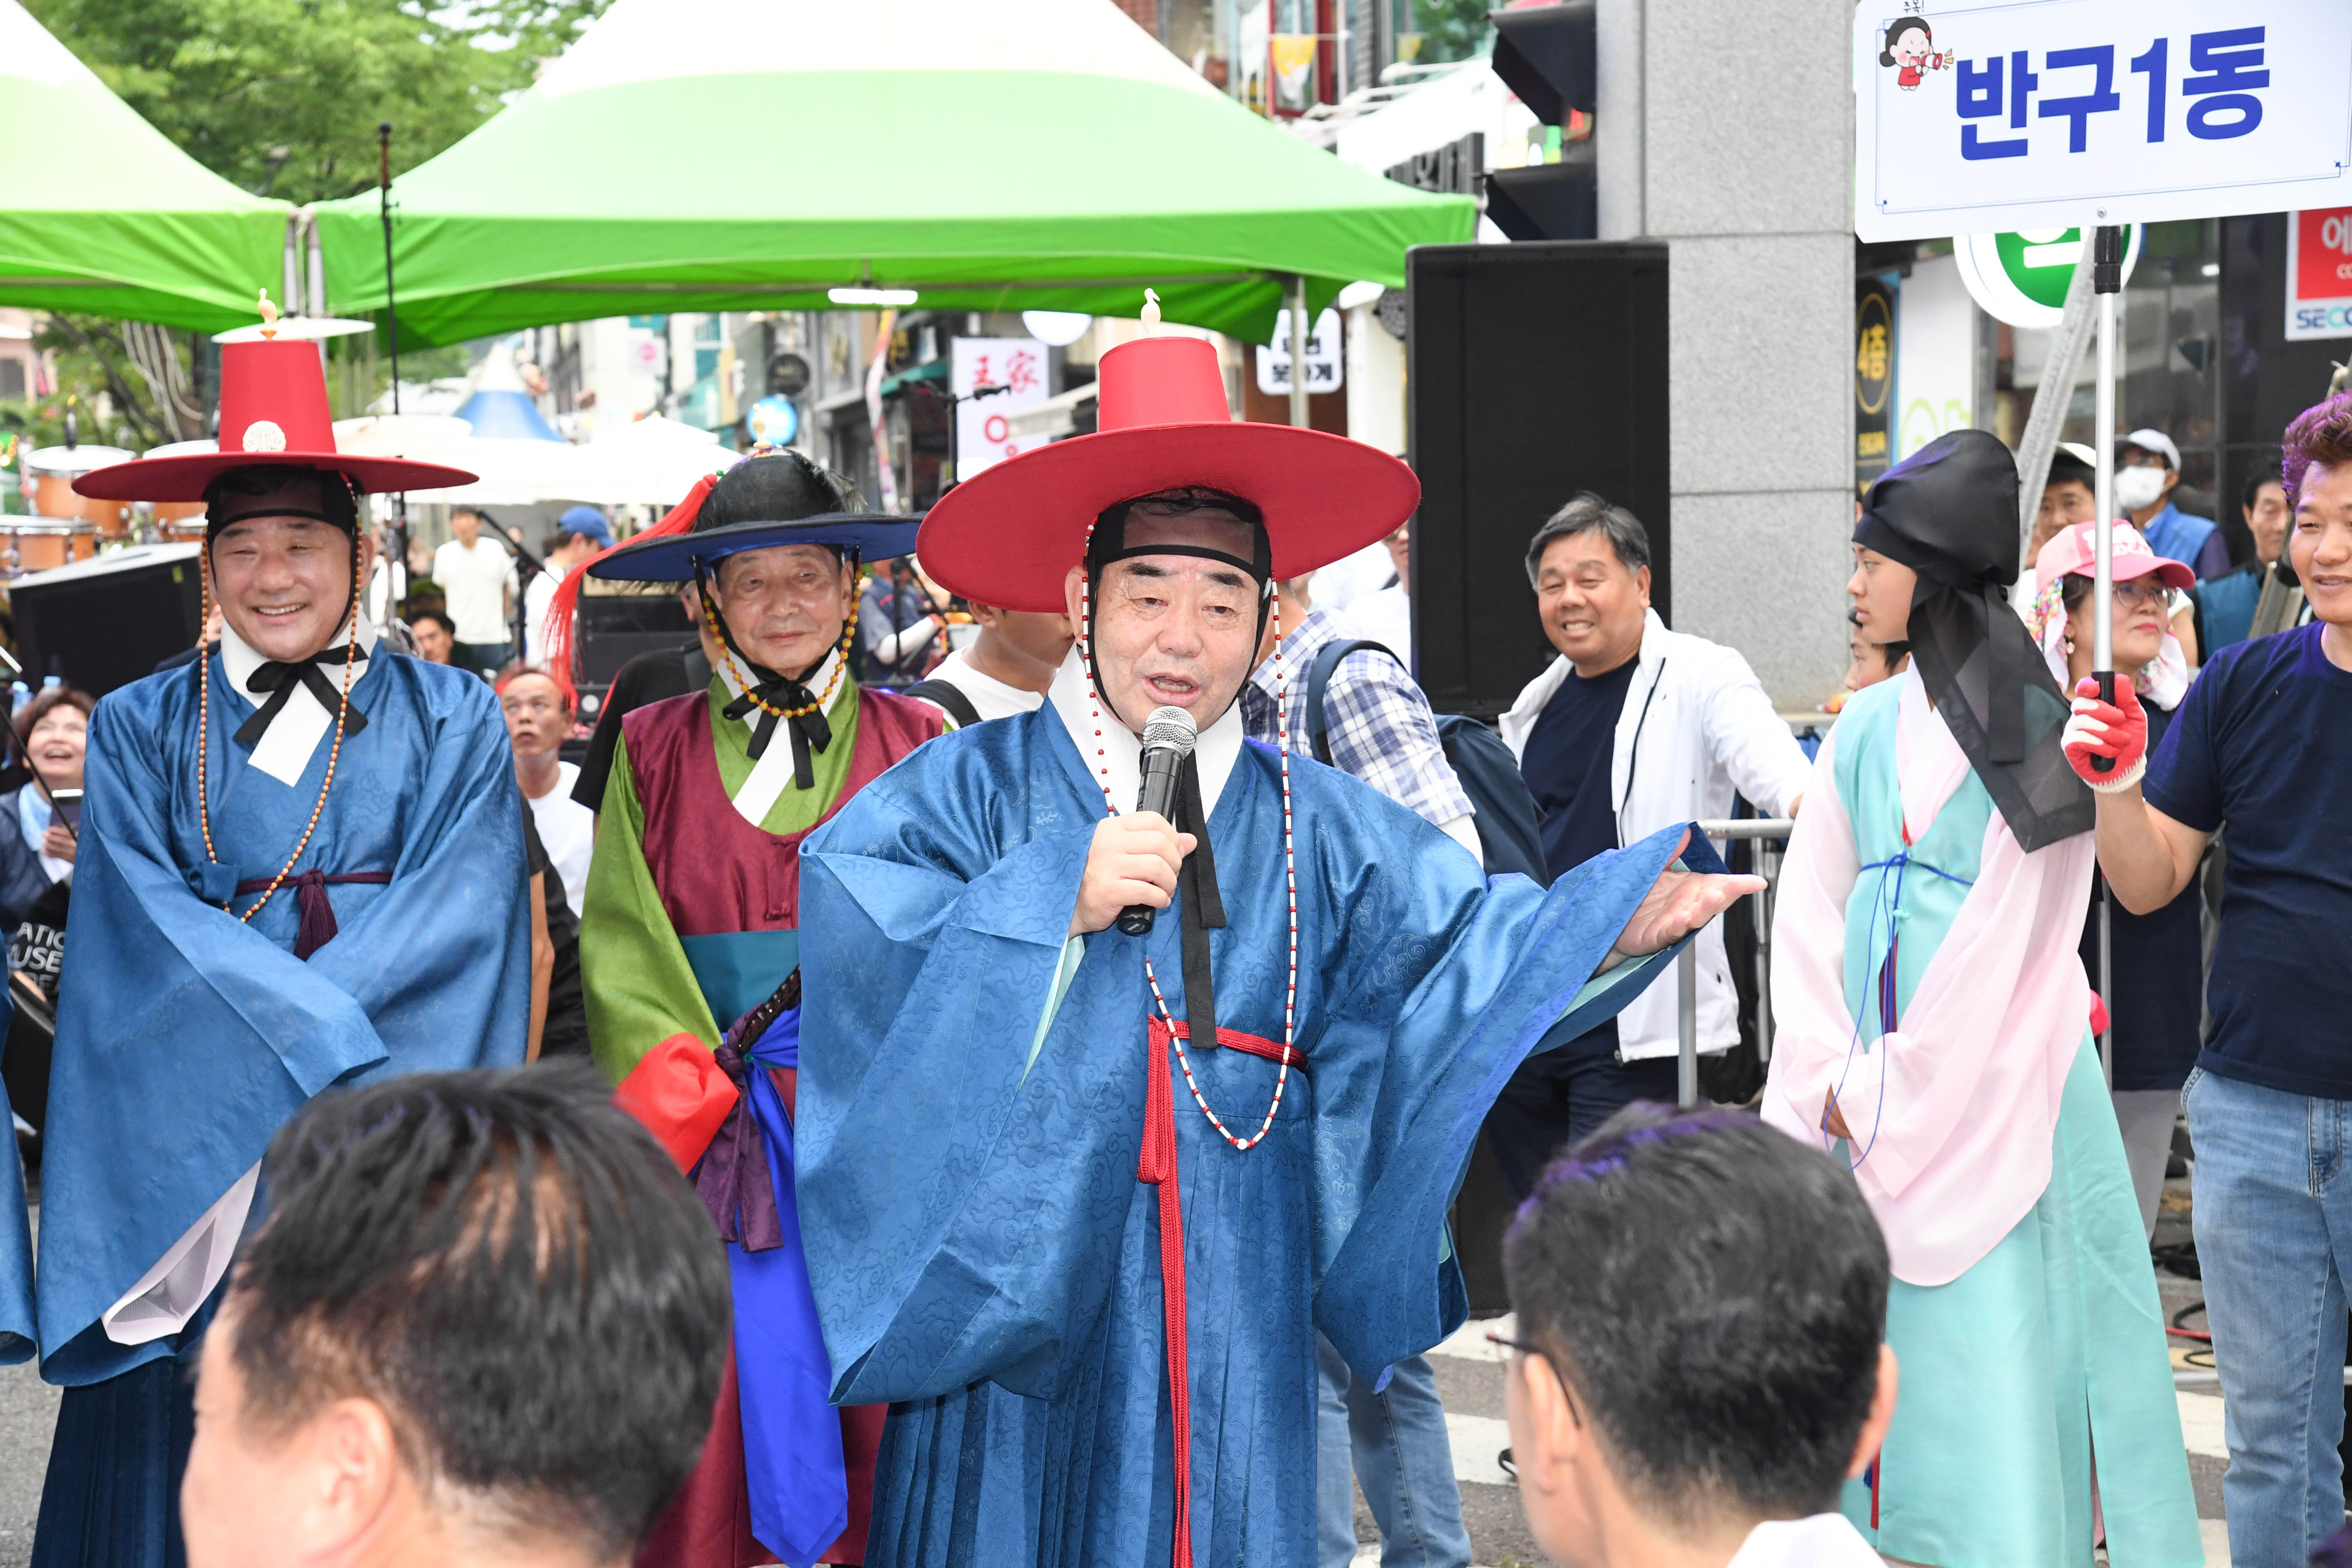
(1379,723)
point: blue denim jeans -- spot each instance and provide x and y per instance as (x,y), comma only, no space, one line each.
(2273,1188)
(1395,1444)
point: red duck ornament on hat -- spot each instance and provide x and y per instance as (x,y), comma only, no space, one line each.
(273,414)
(1009,535)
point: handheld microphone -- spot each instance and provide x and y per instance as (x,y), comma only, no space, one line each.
(1168,738)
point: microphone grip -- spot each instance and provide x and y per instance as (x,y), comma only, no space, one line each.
(1161,766)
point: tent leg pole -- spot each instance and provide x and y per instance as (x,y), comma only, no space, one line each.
(1298,350)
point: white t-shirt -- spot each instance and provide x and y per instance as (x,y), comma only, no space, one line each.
(1354,577)
(568,830)
(1384,616)
(990,696)
(476,581)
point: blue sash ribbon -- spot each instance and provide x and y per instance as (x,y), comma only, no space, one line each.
(792,1463)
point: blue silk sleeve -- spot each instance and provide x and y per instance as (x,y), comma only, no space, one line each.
(1507,974)
(917,957)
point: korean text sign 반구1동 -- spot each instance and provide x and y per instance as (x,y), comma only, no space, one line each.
(2036,113)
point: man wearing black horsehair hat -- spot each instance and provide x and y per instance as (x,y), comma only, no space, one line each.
(690,948)
(1108,1360)
(301,866)
(1934,1031)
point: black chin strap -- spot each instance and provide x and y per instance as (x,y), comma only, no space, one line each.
(1204,908)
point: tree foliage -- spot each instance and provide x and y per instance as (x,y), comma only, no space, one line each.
(1451,29)
(284,96)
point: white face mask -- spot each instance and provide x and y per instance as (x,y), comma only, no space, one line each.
(2139,486)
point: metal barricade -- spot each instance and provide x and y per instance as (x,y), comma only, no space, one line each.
(1770,835)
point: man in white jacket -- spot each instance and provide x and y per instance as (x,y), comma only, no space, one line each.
(1630,728)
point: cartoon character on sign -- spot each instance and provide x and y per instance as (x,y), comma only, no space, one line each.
(1911,43)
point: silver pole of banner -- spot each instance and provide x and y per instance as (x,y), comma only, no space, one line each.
(1686,1017)
(2107,281)
(1298,350)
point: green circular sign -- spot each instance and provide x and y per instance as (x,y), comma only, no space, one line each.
(2022,278)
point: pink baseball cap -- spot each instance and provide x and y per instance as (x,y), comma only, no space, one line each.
(2075,550)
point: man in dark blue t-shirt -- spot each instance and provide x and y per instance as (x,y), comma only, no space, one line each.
(2264,742)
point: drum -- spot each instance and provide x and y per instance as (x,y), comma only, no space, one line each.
(38,543)
(183,528)
(53,470)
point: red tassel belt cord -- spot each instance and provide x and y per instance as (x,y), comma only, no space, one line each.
(1155,1167)
(318,915)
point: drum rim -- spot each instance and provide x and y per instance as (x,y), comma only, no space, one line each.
(47,527)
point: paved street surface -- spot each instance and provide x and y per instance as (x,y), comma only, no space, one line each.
(1469,1376)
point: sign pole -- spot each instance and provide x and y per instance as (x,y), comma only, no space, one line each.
(1298,350)
(2050,401)
(2106,282)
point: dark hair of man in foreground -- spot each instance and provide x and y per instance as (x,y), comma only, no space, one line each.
(485,1323)
(1710,1296)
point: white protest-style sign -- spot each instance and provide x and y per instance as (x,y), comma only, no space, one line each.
(983,424)
(2033,114)
(1322,356)
(2319,274)
(2022,278)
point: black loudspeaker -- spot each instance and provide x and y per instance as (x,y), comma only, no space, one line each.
(1533,372)
(107,622)
(613,628)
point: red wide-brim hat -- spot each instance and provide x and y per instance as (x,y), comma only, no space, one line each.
(273,414)
(1009,535)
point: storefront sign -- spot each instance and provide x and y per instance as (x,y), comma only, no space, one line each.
(2022,278)
(983,429)
(1874,381)
(2029,114)
(1322,356)
(2319,274)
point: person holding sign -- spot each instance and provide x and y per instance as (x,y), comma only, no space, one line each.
(2264,743)
(1934,1032)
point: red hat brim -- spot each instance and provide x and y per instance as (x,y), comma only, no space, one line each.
(184,476)
(1009,535)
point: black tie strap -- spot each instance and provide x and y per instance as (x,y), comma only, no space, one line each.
(278,680)
(781,693)
(1205,907)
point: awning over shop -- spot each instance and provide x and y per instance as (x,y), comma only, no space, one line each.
(101,213)
(989,154)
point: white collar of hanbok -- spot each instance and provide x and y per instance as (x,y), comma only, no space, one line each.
(285,748)
(770,775)
(1118,754)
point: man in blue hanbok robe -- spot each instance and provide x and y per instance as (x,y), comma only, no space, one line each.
(1081,1245)
(301,866)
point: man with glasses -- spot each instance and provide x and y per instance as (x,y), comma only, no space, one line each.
(1697,1370)
(690,944)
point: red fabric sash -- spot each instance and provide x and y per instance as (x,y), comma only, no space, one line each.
(1155,1167)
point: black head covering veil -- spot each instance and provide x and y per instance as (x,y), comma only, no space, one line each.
(1949,512)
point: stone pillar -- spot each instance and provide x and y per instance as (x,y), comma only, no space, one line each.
(1727,129)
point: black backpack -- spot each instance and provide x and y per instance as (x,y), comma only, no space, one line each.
(1489,773)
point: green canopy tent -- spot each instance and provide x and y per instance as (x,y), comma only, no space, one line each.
(988,154)
(99,213)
